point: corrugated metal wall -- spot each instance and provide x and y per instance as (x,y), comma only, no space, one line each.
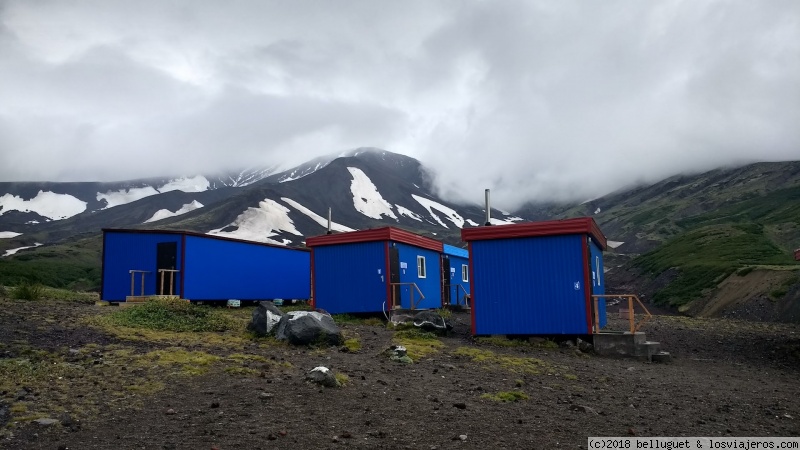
(219,270)
(455,278)
(123,252)
(529,286)
(350,278)
(598,280)
(430,285)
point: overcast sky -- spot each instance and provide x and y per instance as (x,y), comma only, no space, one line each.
(535,99)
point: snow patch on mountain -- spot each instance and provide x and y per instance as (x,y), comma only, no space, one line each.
(8,234)
(15,250)
(165,213)
(316,217)
(124,196)
(198,183)
(403,211)
(449,213)
(261,224)
(471,222)
(46,204)
(495,221)
(614,244)
(366,198)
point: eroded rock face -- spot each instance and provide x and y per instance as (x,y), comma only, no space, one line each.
(265,317)
(308,327)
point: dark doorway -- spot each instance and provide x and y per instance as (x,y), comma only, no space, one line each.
(394,275)
(166,258)
(446,281)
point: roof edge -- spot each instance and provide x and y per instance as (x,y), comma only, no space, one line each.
(579,225)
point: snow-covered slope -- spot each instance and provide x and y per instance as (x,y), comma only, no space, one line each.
(165,213)
(316,217)
(366,198)
(47,204)
(261,224)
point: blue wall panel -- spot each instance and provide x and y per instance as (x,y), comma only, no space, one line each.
(430,285)
(529,286)
(350,278)
(598,280)
(454,279)
(217,269)
(123,252)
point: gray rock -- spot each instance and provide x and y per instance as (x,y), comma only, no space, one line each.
(5,414)
(581,408)
(399,353)
(584,346)
(322,376)
(308,327)
(46,422)
(265,317)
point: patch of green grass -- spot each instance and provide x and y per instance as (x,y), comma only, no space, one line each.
(342,379)
(28,291)
(514,364)
(506,396)
(418,343)
(189,363)
(352,345)
(172,315)
(242,371)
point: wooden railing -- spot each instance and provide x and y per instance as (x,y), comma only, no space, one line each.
(633,326)
(133,275)
(162,273)
(395,301)
(459,287)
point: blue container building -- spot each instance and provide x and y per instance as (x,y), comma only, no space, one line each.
(455,276)
(537,278)
(369,271)
(200,267)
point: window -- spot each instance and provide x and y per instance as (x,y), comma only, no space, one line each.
(420,266)
(464,273)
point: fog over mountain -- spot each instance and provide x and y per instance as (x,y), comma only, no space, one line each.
(536,100)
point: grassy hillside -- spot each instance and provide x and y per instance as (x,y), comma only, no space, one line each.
(75,265)
(706,255)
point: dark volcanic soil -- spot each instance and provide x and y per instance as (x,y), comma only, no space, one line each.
(727,378)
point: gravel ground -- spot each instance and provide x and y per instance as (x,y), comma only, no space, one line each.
(108,390)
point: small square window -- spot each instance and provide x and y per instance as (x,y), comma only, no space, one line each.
(464,273)
(420,266)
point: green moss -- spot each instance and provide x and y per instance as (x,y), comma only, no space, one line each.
(342,379)
(352,345)
(418,344)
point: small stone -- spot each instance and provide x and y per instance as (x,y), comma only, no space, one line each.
(265,396)
(215,405)
(335,439)
(347,435)
(283,432)
(631,432)
(46,422)
(463,437)
(581,408)
(170,412)
(460,405)
(271,437)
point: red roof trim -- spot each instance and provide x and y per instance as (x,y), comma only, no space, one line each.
(376,235)
(580,225)
(196,234)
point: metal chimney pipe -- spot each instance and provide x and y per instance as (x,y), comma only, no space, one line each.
(488,210)
(329,221)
